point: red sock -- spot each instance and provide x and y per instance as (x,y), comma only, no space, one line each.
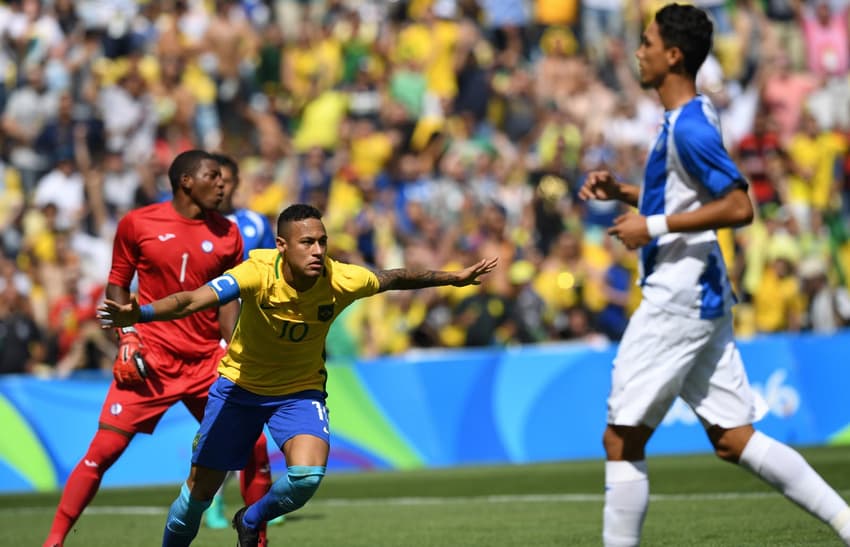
(256,479)
(83,482)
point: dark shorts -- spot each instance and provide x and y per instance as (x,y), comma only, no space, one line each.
(235,417)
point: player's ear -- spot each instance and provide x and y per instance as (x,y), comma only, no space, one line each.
(186,182)
(675,57)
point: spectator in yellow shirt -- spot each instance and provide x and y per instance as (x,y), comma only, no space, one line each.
(777,302)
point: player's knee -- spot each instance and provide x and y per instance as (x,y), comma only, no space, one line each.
(612,442)
(725,454)
(106,447)
(302,482)
(305,481)
(625,442)
(728,443)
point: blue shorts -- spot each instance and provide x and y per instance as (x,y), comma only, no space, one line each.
(234,419)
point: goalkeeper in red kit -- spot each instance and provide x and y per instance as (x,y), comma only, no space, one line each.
(171,246)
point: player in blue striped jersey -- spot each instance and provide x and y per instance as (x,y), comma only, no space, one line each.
(679,342)
(256,230)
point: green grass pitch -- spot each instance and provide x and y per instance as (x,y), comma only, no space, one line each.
(696,500)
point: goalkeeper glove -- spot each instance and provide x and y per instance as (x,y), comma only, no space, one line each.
(129,368)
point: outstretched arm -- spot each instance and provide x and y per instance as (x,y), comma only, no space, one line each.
(401,278)
(174,306)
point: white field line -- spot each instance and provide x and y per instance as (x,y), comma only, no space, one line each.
(532,498)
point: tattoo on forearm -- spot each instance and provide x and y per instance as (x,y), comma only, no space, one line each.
(402,278)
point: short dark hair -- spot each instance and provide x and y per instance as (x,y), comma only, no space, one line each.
(186,163)
(689,29)
(296,212)
(226,161)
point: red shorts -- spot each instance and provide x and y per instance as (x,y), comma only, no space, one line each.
(170,379)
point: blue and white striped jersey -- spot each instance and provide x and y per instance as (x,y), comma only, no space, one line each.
(256,230)
(687,167)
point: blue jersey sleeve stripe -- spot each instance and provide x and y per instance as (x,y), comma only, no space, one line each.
(655,178)
(740,184)
(701,151)
(225,287)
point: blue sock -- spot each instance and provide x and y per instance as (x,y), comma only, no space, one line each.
(287,494)
(184,519)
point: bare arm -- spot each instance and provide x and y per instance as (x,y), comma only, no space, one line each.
(601,185)
(228,314)
(731,210)
(173,306)
(93,180)
(119,295)
(403,279)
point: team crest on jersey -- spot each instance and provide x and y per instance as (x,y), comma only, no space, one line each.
(207,246)
(115,409)
(196,440)
(326,312)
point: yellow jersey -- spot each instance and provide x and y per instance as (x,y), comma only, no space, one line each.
(278,345)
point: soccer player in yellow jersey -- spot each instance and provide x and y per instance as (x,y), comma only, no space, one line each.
(274,370)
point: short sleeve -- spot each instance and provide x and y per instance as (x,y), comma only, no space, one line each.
(248,278)
(352,280)
(701,151)
(125,253)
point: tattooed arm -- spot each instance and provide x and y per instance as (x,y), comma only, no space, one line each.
(401,279)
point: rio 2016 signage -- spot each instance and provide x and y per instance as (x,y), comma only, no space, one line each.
(437,408)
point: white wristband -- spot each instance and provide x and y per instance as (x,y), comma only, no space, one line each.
(656,225)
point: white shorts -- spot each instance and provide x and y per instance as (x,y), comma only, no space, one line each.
(662,356)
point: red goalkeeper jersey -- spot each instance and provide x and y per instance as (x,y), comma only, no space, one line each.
(172,253)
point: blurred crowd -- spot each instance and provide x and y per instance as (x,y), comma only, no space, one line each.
(430,133)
